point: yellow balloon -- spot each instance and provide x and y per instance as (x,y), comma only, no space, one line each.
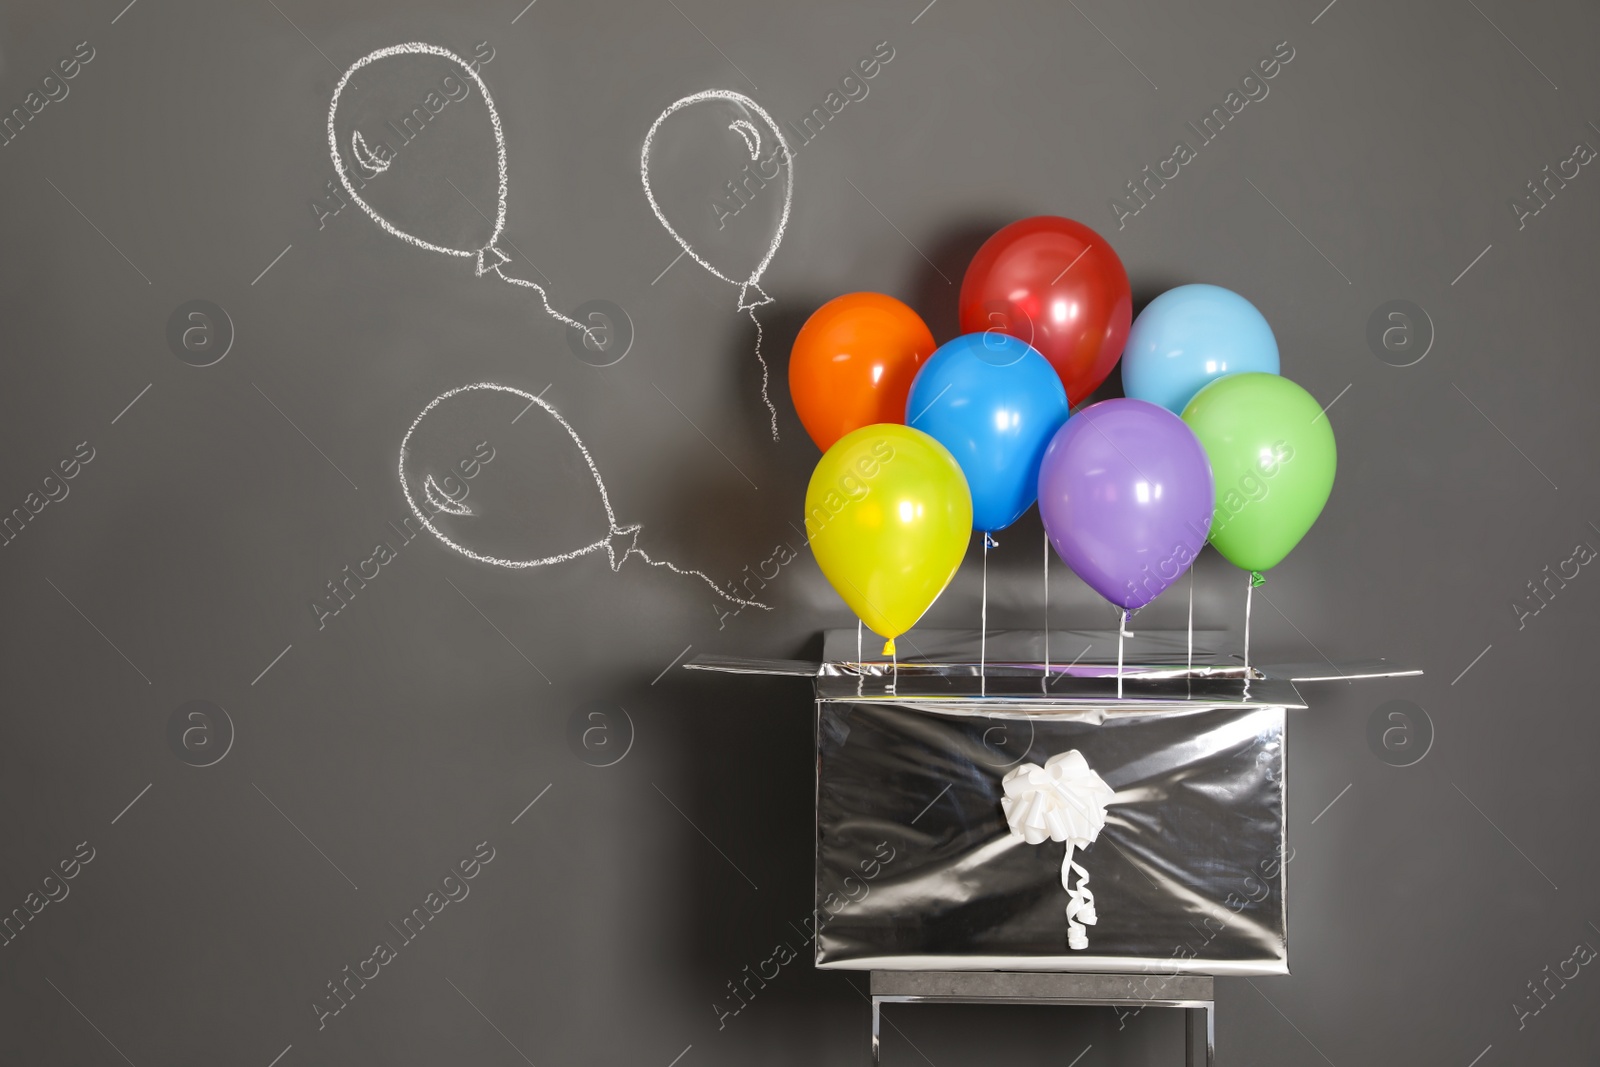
(889,516)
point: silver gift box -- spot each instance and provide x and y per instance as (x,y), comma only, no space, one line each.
(917,868)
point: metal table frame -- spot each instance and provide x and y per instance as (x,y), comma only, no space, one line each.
(1193,993)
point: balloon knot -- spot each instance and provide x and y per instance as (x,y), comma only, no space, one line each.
(989,541)
(1257,579)
(888,647)
(621,543)
(490,258)
(751,296)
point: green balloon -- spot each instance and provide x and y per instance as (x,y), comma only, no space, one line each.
(1272,461)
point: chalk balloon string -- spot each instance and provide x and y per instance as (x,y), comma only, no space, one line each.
(619,542)
(766,398)
(588,331)
(751,295)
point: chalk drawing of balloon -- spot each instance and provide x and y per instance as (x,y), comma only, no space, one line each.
(418,146)
(720,177)
(497,474)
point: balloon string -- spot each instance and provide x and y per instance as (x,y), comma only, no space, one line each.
(983,633)
(1121,633)
(1249,591)
(588,331)
(1047,606)
(861,667)
(1191,620)
(642,554)
(772,412)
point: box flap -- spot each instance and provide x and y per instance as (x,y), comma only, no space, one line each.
(1011,672)
(797,668)
(1339,670)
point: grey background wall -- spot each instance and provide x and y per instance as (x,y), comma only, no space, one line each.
(363,760)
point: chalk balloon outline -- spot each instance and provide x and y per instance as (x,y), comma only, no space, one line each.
(422,48)
(753,282)
(435,494)
(615,535)
(729,95)
(365,158)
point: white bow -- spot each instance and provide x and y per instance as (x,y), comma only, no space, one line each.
(1065,800)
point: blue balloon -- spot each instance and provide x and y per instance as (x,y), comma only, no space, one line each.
(995,403)
(1190,336)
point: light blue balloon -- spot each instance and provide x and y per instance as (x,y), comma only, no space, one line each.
(1190,336)
(995,403)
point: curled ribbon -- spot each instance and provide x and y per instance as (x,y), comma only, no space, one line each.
(1065,800)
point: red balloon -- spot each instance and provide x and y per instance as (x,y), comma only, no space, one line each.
(1059,286)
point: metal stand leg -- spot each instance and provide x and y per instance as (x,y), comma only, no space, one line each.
(1199,1036)
(1192,993)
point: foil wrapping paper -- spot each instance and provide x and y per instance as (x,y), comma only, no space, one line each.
(1188,872)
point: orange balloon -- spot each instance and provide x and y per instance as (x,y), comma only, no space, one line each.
(852,364)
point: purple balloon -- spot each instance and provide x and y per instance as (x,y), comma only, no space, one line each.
(1126,496)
